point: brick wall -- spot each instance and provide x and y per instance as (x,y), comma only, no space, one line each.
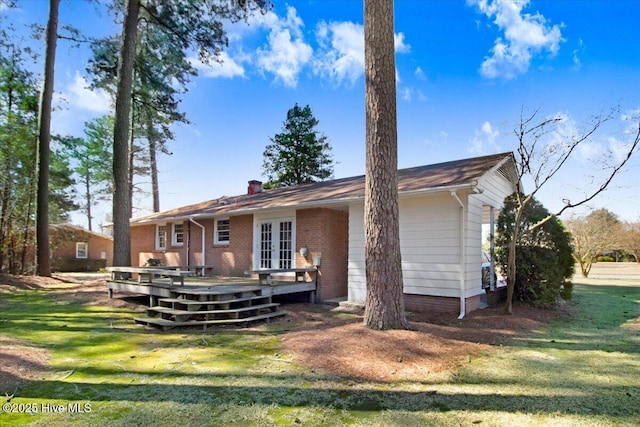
(434,304)
(236,257)
(325,233)
(63,249)
(143,247)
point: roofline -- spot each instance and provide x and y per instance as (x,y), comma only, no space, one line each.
(346,200)
(81,229)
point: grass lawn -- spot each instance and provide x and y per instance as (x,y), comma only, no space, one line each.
(103,370)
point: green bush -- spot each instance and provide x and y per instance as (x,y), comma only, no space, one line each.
(78,265)
(544,257)
(605,258)
(566,290)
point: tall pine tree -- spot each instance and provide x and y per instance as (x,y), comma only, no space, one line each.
(300,153)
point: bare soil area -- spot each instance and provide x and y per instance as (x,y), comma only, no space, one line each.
(321,340)
(436,343)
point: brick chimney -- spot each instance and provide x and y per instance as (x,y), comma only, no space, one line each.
(255,187)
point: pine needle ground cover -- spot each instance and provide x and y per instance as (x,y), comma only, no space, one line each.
(78,362)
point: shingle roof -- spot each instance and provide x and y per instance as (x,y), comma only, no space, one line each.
(429,177)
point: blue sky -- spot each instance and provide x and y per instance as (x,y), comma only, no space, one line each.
(465,71)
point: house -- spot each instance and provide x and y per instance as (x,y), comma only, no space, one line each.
(74,248)
(442,210)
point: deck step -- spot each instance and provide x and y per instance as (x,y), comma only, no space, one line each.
(165,324)
(194,305)
(168,310)
(219,293)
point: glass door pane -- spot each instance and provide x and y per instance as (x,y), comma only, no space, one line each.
(285,244)
(266,244)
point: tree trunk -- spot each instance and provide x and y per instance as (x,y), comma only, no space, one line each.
(42,214)
(87,189)
(153,165)
(121,193)
(6,189)
(132,160)
(26,240)
(511,274)
(384,307)
(511,258)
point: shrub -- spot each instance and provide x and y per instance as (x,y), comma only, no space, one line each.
(544,257)
(605,258)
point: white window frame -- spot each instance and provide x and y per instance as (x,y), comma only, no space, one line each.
(216,231)
(274,218)
(159,246)
(174,234)
(79,251)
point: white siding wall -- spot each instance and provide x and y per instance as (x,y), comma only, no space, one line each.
(430,241)
(430,245)
(495,188)
(473,246)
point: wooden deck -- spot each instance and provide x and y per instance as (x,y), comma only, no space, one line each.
(204,301)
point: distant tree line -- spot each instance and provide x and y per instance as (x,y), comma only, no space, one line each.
(602,236)
(19,89)
(145,70)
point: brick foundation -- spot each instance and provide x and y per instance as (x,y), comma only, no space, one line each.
(445,305)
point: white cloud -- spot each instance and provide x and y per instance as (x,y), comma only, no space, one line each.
(224,66)
(576,59)
(78,94)
(341,54)
(524,35)
(406,93)
(287,52)
(399,44)
(484,139)
(284,54)
(420,74)
(630,118)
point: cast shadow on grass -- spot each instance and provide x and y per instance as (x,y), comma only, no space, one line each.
(594,403)
(600,321)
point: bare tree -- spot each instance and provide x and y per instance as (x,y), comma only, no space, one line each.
(384,306)
(540,159)
(593,234)
(630,240)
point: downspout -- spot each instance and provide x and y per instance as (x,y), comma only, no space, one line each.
(204,252)
(462,255)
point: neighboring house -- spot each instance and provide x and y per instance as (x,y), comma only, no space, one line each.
(74,248)
(442,210)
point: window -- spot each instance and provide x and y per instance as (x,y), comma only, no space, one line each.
(82,250)
(177,234)
(161,237)
(221,232)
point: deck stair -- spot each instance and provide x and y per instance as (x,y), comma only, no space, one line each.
(208,306)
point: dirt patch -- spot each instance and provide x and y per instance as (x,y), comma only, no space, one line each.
(20,362)
(17,283)
(93,292)
(436,343)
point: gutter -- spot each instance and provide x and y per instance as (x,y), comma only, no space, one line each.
(462,255)
(204,252)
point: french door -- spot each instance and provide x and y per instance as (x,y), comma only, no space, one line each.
(275,244)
